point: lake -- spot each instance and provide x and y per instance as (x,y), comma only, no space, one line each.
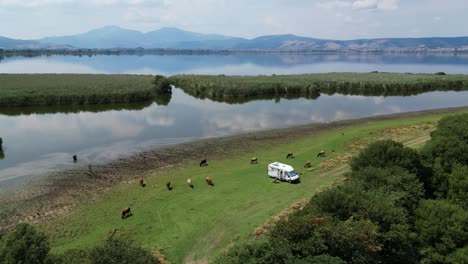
(39,140)
(237,64)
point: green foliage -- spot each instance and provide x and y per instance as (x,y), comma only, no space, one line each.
(458,256)
(220,86)
(389,154)
(458,186)
(163,84)
(119,251)
(24,244)
(74,89)
(307,235)
(447,148)
(408,188)
(113,251)
(440,73)
(74,256)
(442,229)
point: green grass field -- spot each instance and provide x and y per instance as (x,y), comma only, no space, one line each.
(74,89)
(192,224)
(219,86)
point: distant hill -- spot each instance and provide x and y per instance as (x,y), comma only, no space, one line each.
(8,43)
(116,37)
(113,37)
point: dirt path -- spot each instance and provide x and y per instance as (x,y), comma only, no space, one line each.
(56,195)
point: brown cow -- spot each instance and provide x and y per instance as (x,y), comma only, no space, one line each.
(189,183)
(321,154)
(142,182)
(290,155)
(307,164)
(126,212)
(209,181)
(168,185)
(254,160)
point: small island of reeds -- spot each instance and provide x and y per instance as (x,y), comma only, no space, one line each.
(75,89)
(374,83)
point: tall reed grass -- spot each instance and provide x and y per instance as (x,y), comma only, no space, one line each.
(74,89)
(221,86)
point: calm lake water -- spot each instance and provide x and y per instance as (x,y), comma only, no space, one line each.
(39,140)
(241,64)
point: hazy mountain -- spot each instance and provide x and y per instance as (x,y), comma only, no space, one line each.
(101,38)
(173,38)
(116,37)
(8,43)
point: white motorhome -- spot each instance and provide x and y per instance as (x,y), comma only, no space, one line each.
(282,172)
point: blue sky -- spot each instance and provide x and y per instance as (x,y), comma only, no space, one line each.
(333,19)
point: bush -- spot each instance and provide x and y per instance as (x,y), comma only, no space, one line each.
(23,245)
(119,251)
(163,84)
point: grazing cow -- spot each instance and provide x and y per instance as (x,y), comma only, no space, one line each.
(126,212)
(307,164)
(189,183)
(209,181)
(75,158)
(290,155)
(142,182)
(168,185)
(203,163)
(321,154)
(254,160)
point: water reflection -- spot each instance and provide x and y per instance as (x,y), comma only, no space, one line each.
(43,141)
(237,64)
(69,109)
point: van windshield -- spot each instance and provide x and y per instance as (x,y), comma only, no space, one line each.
(292,173)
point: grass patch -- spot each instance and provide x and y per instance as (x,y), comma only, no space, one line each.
(221,86)
(190,224)
(74,89)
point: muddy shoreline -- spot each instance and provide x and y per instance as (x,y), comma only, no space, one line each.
(56,195)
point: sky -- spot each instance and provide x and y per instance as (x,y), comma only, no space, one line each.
(328,19)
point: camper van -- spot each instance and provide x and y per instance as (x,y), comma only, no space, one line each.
(282,172)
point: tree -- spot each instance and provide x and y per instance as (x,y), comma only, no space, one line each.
(391,154)
(447,148)
(442,229)
(23,245)
(458,186)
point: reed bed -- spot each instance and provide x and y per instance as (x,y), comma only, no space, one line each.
(221,86)
(74,89)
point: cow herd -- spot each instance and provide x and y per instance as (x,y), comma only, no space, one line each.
(127,212)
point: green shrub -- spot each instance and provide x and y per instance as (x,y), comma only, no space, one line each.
(24,244)
(119,251)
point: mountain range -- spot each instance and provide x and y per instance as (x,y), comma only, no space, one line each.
(113,37)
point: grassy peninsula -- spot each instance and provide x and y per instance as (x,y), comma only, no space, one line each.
(74,89)
(375,83)
(198,224)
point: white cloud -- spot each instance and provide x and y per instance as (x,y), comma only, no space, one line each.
(365,4)
(36,3)
(334,4)
(376,4)
(388,5)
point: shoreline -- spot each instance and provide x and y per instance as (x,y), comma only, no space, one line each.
(56,195)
